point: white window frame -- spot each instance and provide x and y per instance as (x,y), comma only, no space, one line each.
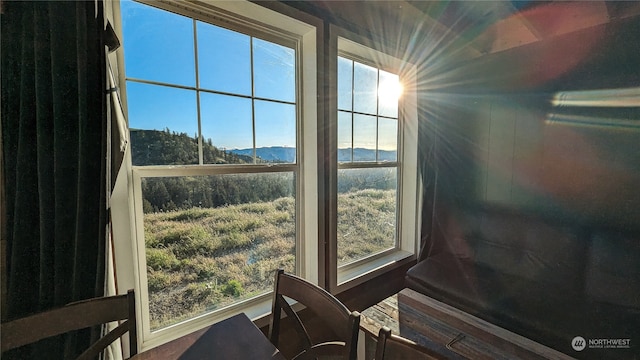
(409,190)
(127,212)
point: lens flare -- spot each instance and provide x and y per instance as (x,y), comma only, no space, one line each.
(389,91)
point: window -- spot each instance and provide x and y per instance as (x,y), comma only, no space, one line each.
(367,160)
(222,168)
(376,147)
(217,111)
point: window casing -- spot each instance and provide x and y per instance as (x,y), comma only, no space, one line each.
(196,171)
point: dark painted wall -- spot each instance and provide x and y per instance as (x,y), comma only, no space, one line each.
(504,139)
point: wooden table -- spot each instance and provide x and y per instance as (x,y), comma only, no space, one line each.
(234,338)
(449,331)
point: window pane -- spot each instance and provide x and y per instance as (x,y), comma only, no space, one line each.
(159,44)
(275,129)
(364,137)
(344,136)
(163,124)
(274,71)
(365,87)
(224,59)
(366,212)
(212,241)
(226,120)
(345,72)
(387,139)
(388,94)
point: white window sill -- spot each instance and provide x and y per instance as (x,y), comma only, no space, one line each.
(255,308)
(354,274)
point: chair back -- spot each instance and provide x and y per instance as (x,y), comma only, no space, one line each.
(394,347)
(344,323)
(76,316)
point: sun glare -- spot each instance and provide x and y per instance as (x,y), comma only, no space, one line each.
(390,91)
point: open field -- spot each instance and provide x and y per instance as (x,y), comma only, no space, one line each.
(201,259)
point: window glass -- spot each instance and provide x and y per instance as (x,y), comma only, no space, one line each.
(389,92)
(274,71)
(387,139)
(344,136)
(364,137)
(163,123)
(214,240)
(159,44)
(224,59)
(345,83)
(365,88)
(227,121)
(367,201)
(276,128)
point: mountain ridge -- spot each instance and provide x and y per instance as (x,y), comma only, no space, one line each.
(166,147)
(287,154)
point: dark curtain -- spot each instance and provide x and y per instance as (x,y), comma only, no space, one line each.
(428,171)
(54,153)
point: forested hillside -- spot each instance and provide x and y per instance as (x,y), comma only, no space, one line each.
(155,147)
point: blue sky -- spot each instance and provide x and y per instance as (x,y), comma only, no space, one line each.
(159,47)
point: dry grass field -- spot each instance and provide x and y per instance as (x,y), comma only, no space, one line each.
(201,259)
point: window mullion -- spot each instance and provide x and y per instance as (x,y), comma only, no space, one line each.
(378,113)
(195,51)
(353,108)
(253,102)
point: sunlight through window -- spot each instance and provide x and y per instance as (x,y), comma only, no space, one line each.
(389,90)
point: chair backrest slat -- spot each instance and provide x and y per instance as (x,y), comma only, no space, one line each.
(297,323)
(344,323)
(317,300)
(104,341)
(74,316)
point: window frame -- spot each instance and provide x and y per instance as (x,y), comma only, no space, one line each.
(263,22)
(370,50)
(353,266)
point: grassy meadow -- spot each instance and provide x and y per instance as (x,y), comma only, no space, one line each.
(201,259)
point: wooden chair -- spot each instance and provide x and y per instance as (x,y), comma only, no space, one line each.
(76,316)
(344,323)
(394,347)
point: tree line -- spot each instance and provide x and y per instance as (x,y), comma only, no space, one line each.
(166,147)
(185,192)
(153,147)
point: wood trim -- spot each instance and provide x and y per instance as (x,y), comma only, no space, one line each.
(375,290)
(476,338)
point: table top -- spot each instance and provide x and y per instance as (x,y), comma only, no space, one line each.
(234,338)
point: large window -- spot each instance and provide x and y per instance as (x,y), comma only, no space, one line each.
(216,119)
(376,131)
(367,157)
(221,184)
